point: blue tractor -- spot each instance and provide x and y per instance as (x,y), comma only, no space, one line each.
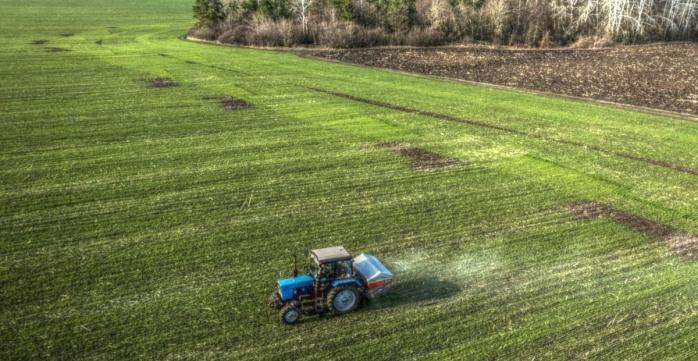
(335,283)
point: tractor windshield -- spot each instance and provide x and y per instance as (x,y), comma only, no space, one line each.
(330,270)
(342,269)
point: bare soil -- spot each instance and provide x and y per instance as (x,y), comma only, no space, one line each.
(232,103)
(682,244)
(39,42)
(422,159)
(662,76)
(162,83)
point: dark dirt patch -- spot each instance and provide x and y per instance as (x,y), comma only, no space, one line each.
(56,50)
(589,209)
(228,102)
(98,42)
(682,244)
(67,35)
(162,83)
(422,159)
(450,118)
(39,42)
(232,103)
(661,76)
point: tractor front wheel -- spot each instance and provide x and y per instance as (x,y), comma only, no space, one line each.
(289,314)
(343,300)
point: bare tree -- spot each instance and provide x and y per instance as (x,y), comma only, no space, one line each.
(301,8)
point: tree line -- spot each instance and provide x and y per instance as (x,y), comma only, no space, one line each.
(359,23)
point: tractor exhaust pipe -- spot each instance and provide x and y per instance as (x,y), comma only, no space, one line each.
(295,265)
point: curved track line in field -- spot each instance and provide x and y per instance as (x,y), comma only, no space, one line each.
(192,62)
(451,118)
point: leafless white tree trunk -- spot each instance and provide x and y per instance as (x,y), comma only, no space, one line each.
(672,18)
(301,8)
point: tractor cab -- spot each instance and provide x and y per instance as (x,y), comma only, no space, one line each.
(327,264)
(334,283)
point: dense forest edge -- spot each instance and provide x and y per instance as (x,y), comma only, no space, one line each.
(363,23)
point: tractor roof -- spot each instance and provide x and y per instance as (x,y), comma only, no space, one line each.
(331,254)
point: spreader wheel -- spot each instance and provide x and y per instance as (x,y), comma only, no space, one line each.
(343,300)
(289,314)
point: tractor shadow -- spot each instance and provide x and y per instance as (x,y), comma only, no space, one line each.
(424,290)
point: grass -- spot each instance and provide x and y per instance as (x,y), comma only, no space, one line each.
(143,223)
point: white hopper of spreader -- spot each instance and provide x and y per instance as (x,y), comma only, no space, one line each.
(376,276)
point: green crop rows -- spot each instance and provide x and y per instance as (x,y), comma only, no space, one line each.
(151,223)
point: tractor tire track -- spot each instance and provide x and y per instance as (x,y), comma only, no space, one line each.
(451,118)
(192,62)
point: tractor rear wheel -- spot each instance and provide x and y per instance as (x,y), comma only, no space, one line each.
(343,300)
(289,314)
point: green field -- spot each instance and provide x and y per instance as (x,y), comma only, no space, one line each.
(143,223)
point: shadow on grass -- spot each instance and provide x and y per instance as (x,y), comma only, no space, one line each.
(415,290)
